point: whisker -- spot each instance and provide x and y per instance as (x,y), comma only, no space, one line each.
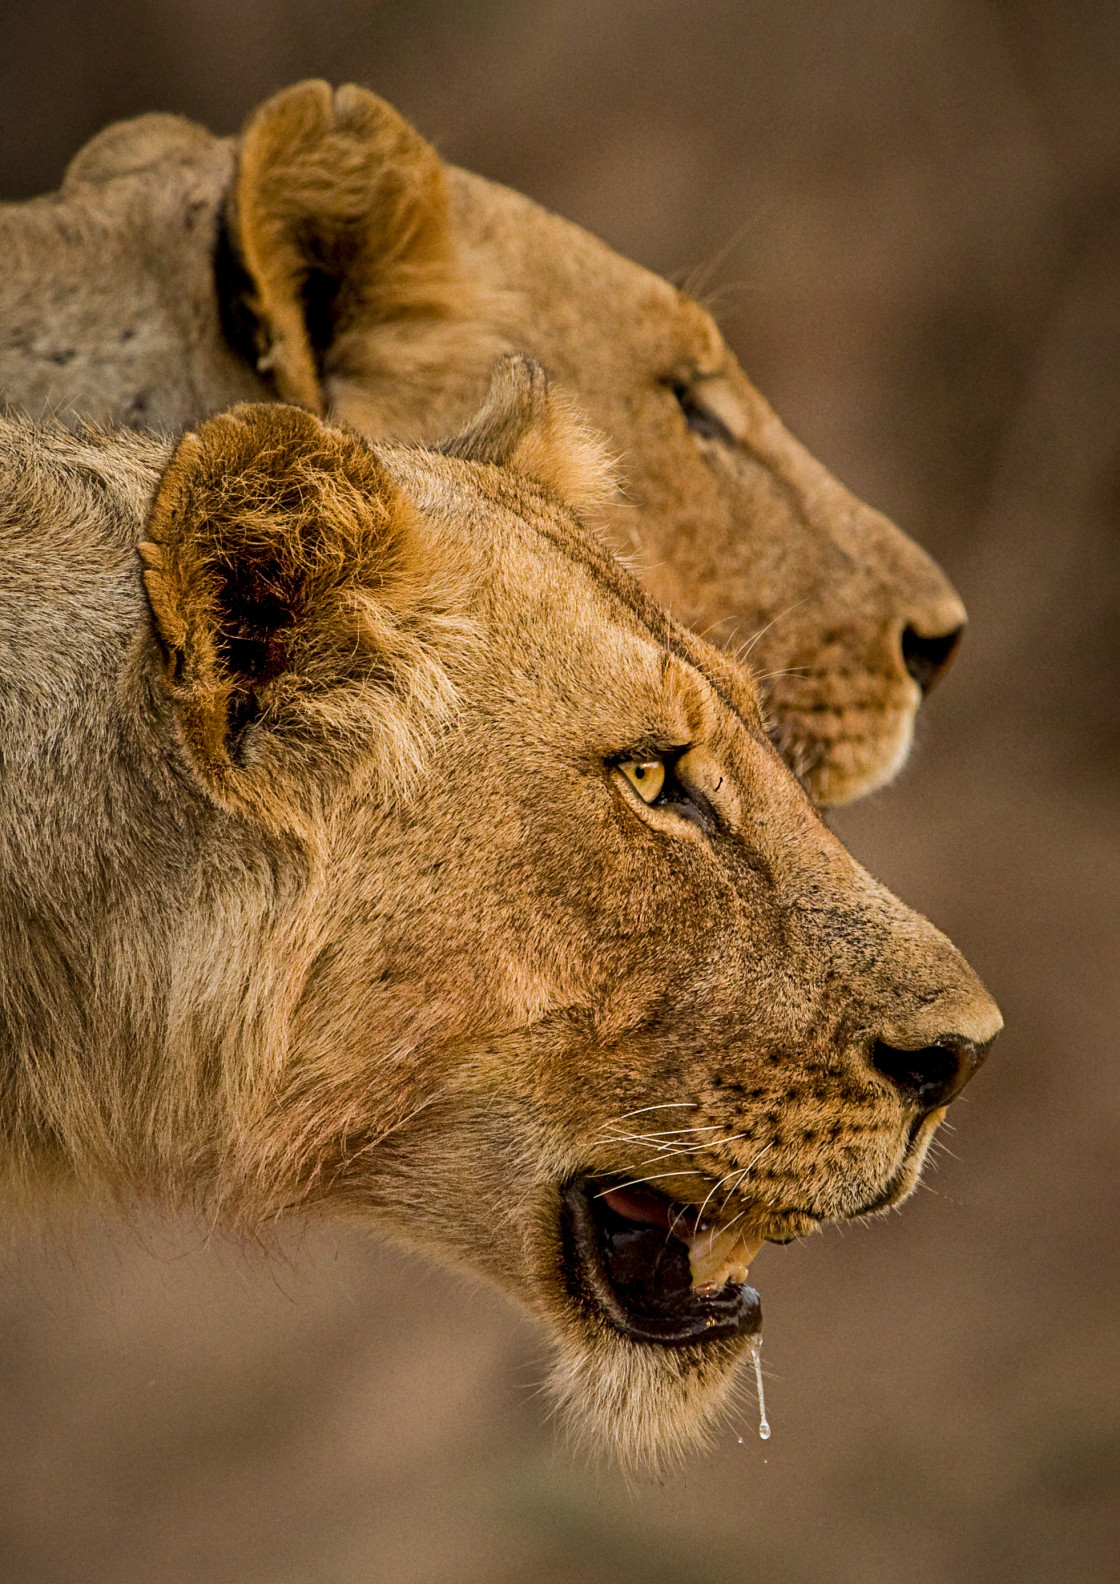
(707,1201)
(745,650)
(669,1133)
(732,1138)
(727,1196)
(697,279)
(662,1156)
(740,1172)
(658,1140)
(768,676)
(668,1105)
(638,1181)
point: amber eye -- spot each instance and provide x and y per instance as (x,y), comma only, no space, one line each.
(646,776)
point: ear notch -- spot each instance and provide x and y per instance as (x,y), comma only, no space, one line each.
(338,220)
(528,428)
(272,543)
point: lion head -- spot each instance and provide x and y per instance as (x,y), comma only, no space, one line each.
(390,852)
(330,257)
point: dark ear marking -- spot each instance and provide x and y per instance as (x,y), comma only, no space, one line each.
(244,330)
(276,548)
(337,223)
(259,606)
(260,609)
(243,711)
(233,286)
(321,294)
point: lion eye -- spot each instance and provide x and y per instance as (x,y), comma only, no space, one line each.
(646,776)
(699,417)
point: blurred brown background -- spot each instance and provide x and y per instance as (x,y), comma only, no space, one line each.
(915,210)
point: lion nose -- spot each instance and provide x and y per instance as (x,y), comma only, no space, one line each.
(927,656)
(933,1075)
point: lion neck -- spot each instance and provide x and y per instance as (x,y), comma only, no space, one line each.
(129,908)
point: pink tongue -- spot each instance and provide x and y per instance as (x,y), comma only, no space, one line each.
(648,1208)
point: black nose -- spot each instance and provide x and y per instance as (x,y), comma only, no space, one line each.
(932,1076)
(928,659)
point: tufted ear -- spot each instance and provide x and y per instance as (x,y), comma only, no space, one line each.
(528,428)
(286,577)
(336,229)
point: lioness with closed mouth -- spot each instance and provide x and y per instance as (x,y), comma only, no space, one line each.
(371,842)
(330,257)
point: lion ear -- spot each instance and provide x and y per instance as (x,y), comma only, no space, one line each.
(528,428)
(280,564)
(337,224)
(128,147)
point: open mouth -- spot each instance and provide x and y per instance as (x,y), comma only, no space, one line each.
(655,1269)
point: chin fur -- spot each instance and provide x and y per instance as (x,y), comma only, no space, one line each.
(650,1406)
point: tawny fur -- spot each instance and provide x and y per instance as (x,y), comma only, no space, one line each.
(329,257)
(372,194)
(320,890)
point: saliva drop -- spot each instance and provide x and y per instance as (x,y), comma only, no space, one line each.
(756,1360)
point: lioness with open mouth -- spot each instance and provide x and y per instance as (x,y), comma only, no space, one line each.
(330,257)
(371,843)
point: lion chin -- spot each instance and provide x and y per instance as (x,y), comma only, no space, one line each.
(835,744)
(656,1311)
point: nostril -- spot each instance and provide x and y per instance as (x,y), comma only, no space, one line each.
(928,659)
(929,1077)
